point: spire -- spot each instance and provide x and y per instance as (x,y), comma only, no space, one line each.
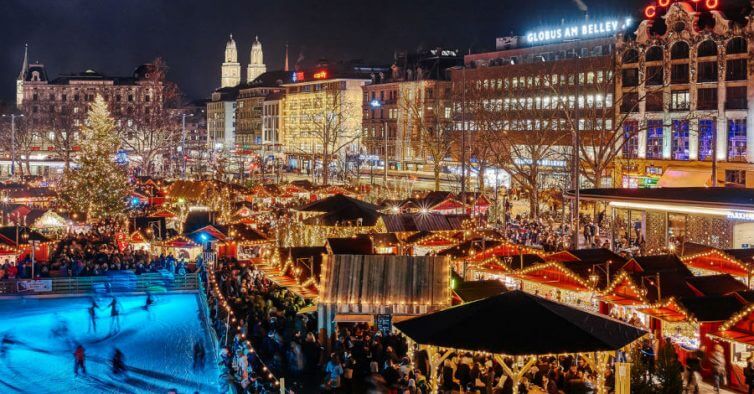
(286,57)
(25,65)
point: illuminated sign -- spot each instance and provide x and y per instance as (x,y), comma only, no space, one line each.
(585,30)
(297,76)
(741,215)
(320,75)
(651,11)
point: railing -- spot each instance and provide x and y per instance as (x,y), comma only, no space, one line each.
(124,281)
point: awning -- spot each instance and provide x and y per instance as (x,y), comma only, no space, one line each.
(677,177)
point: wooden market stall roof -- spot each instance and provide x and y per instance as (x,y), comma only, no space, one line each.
(19,236)
(360,245)
(730,261)
(468,248)
(474,290)
(426,238)
(179,241)
(553,274)
(591,255)
(504,249)
(740,327)
(518,323)
(341,210)
(365,283)
(410,222)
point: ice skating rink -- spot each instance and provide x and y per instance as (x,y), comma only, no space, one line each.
(41,333)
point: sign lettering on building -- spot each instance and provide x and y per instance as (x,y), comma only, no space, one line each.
(584,30)
(741,215)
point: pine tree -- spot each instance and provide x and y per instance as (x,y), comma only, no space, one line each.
(98,187)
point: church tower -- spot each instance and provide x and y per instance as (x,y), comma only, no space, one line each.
(256,66)
(22,78)
(231,69)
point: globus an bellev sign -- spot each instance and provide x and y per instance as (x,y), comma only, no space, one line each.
(575,31)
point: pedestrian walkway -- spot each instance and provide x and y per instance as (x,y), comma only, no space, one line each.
(274,274)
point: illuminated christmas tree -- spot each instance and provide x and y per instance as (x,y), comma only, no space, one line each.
(98,186)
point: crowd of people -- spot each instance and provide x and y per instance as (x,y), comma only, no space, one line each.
(546,233)
(91,253)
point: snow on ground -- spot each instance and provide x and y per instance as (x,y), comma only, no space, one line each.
(157,345)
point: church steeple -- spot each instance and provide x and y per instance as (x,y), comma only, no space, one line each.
(256,65)
(231,68)
(22,77)
(285,64)
(25,64)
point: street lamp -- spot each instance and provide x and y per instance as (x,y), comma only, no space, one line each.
(13,141)
(377,104)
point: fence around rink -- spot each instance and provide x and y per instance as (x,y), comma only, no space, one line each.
(100,284)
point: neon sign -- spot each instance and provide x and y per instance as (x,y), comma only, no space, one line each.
(320,75)
(650,11)
(584,30)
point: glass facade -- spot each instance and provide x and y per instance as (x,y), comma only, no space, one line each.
(631,145)
(706,134)
(680,140)
(654,139)
(737,139)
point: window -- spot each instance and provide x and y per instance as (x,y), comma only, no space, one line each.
(736,45)
(735,97)
(654,139)
(679,73)
(706,48)
(707,72)
(706,134)
(735,177)
(654,75)
(680,50)
(735,70)
(630,103)
(630,76)
(737,139)
(654,54)
(706,99)
(679,100)
(630,56)
(631,135)
(654,101)
(680,140)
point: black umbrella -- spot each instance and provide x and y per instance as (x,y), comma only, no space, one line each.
(518,323)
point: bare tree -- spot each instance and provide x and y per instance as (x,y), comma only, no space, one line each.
(62,136)
(151,132)
(331,128)
(430,129)
(515,131)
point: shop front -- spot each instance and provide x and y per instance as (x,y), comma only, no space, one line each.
(652,221)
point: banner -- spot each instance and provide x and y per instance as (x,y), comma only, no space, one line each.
(36,286)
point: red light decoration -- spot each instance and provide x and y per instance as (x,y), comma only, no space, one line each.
(663,3)
(712,4)
(320,75)
(650,11)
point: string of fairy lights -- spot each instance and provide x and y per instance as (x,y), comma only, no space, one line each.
(266,372)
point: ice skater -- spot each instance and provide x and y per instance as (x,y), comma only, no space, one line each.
(92,310)
(119,364)
(79,358)
(198,355)
(115,316)
(148,304)
(5,344)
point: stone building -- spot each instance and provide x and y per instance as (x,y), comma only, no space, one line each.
(684,79)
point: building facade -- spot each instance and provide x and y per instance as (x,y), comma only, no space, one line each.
(256,63)
(416,86)
(684,83)
(230,74)
(536,93)
(321,111)
(55,109)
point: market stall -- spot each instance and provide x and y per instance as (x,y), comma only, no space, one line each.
(448,332)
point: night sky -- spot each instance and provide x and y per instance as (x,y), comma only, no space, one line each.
(114,36)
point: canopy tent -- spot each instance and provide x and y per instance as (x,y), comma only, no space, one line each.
(576,331)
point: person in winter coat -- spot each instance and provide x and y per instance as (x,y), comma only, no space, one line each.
(79,358)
